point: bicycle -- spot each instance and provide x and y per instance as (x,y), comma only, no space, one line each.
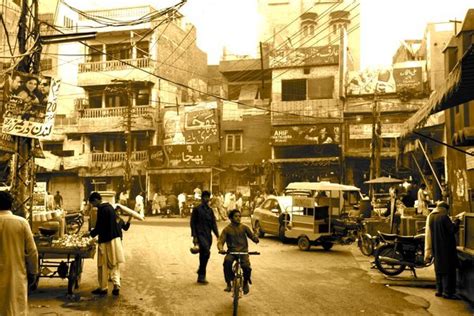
(237,283)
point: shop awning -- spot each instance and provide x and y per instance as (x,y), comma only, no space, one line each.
(322,160)
(457,89)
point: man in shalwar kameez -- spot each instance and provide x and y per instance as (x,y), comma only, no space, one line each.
(110,250)
(18,259)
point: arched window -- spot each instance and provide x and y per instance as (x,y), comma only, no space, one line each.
(308,24)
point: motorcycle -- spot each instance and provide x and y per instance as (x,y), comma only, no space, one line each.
(399,252)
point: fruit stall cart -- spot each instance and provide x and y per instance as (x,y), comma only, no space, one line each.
(64,257)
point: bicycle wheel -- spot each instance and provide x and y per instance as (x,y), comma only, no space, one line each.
(236,293)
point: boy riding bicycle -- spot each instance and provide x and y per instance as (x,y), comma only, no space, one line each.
(235,236)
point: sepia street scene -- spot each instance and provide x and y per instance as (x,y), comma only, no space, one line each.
(251,157)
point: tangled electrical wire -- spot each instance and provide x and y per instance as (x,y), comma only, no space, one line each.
(106,21)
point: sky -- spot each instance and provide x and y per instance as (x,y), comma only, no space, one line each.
(235,23)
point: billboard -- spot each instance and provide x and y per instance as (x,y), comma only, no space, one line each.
(320,134)
(30,105)
(197,124)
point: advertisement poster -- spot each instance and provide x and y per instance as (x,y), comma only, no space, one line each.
(197,124)
(30,105)
(306,135)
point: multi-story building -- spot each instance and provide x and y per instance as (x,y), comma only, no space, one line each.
(245,124)
(314,44)
(130,75)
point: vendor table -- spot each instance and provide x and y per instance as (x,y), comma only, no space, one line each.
(64,262)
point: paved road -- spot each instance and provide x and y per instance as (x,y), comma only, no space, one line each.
(159,277)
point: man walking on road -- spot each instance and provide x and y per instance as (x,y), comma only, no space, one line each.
(203,222)
(110,250)
(18,259)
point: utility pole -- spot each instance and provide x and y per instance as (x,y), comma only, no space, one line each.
(262,71)
(127,91)
(375,144)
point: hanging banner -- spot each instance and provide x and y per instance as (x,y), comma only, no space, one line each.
(30,105)
(306,135)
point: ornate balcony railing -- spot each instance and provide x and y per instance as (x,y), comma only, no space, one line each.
(114,65)
(119,156)
(139,111)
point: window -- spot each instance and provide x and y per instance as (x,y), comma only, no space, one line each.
(95,53)
(321,88)
(142,49)
(119,51)
(95,99)
(293,90)
(233,142)
(143,97)
(68,23)
(115,99)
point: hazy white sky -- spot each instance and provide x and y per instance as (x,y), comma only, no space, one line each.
(234,23)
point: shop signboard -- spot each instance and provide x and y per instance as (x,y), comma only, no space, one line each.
(306,135)
(197,124)
(30,106)
(179,156)
(305,56)
(7,143)
(364,131)
(470,158)
(408,79)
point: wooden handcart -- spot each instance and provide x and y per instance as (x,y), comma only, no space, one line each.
(64,262)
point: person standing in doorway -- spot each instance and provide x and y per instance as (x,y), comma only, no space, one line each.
(18,259)
(110,251)
(203,223)
(440,243)
(58,200)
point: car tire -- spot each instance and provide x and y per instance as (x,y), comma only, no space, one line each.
(258,230)
(304,243)
(281,234)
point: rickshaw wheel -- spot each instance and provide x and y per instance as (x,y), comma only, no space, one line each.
(327,245)
(303,243)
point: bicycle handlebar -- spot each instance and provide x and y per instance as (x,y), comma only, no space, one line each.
(241,253)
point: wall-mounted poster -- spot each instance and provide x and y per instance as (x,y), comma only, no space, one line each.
(306,135)
(30,105)
(371,81)
(408,79)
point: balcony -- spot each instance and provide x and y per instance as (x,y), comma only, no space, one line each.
(137,156)
(113,119)
(306,111)
(100,72)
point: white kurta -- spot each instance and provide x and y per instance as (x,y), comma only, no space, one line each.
(18,256)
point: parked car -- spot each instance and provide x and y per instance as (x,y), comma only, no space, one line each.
(271,215)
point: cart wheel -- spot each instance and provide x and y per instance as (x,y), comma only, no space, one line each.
(303,243)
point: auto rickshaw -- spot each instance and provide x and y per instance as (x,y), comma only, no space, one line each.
(324,220)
